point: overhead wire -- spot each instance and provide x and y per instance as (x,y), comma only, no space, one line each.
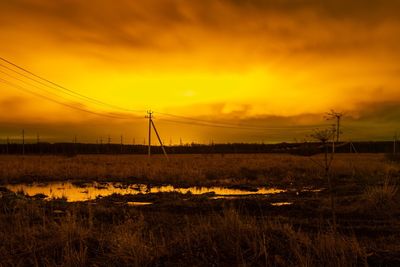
(182,119)
(236,126)
(121,116)
(60,102)
(233,125)
(60,87)
(30,84)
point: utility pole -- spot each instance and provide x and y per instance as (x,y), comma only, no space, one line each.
(23,142)
(108,149)
(38,144)
(394,143)
(149,116)
(151,124)
(121,142)
(8,144)
(75,141)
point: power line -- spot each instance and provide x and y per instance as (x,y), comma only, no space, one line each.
(59,102)
(64,89)
(30,84)
(54,86)
(233,125)
(237,126)
(50,93)
(37,81)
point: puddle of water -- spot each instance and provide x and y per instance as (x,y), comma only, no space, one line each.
(281,203)
(139,203)
(311,189)
(90,191)
(224,197)
(222,191)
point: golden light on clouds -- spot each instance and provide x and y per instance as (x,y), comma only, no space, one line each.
(268,63)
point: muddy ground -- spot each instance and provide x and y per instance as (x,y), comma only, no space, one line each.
(198,230)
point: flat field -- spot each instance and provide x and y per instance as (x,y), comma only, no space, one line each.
(291,228)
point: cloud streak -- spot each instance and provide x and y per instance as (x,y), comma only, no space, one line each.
(269,62)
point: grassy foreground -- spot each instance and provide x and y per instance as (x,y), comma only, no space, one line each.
(189,230)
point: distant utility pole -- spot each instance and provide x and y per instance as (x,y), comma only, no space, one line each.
(38,145)
(149,116)
(8,144)
(75,141)
(394,143)
(121,142)
(336,116)
(23,141)
(151,124)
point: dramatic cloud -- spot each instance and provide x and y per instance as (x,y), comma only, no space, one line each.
(264,62)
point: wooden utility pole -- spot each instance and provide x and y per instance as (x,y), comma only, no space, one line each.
(75,141)
(121,142)
(23,142)
(149,116)
(38,144)
(151,124)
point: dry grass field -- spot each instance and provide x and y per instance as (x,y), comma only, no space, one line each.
(257,169)
(195,230)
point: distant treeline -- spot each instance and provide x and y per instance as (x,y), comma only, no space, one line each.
(308,148)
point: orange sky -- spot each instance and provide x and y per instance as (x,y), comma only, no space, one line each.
(272,64)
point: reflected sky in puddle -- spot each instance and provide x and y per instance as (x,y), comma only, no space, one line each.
(281,203)
(139,203)
(90,191)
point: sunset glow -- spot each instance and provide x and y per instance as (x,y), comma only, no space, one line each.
(263,63)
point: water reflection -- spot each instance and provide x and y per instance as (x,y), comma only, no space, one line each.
(83,192)
(139,203)
(281,204)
